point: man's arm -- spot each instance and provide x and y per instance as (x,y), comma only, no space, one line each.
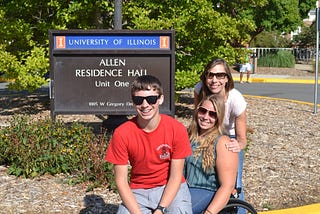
(127,197)
(174,182)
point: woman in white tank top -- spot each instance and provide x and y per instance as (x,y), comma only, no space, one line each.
(217,79)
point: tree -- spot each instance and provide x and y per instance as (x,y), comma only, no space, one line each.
(24,25)
(277,15)
(305,6)
(201,31)
(271,40)
(307,38)
(204,29)
(282,16)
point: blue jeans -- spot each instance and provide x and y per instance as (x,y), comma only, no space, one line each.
(239,180)
(239,177)
(200,199)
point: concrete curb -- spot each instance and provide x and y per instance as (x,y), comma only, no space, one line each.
(308,209)
(279,80)
(283,99)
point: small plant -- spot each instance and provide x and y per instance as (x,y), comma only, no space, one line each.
(34,148)
(266,206)
(250,131)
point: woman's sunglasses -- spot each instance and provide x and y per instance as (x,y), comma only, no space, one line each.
(218,76)
(203,111)
(138,100)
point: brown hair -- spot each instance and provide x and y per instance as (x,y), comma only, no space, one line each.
(217,61)
(146,83)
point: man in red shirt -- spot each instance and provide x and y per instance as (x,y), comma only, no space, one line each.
(155,145)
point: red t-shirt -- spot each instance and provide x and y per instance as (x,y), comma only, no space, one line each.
(149,154)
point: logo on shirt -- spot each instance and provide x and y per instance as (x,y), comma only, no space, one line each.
(164,150)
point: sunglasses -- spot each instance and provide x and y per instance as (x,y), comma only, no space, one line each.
(218,76)
(203,111)
(138,100)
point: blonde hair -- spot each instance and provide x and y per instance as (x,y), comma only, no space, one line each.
(206,142)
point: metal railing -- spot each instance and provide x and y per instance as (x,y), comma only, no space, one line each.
(302,55)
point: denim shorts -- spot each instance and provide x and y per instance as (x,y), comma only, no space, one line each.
(148,200)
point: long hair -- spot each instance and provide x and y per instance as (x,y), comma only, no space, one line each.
(217,61)
(206,141)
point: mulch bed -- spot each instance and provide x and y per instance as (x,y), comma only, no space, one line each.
(281,165)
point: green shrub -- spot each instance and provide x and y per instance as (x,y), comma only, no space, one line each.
(28,71)
(282,59)
(33,148)
(186,79)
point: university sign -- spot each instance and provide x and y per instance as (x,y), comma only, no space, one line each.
(92,70)
(112,42)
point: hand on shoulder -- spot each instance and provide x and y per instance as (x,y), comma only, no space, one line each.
(226,145)
(233,145)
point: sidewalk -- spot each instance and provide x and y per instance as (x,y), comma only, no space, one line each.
(274,78)
(262,78)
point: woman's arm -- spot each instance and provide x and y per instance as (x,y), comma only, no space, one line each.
(227,166)
(241,129)
(127,197)
(236,145)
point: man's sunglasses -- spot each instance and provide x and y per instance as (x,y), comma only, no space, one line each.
(203,111)
(218,76)
(138,100)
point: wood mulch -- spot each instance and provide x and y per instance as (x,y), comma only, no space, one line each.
(281,165)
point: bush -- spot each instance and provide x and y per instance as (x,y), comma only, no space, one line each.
(26,73)
(282,59)
(33,148)
(186,79)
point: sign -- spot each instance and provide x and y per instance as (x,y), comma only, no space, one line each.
(92,71)
(111,42)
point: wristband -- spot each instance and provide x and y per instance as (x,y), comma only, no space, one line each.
(162,209)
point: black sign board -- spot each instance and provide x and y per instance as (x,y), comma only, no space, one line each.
(92,70)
